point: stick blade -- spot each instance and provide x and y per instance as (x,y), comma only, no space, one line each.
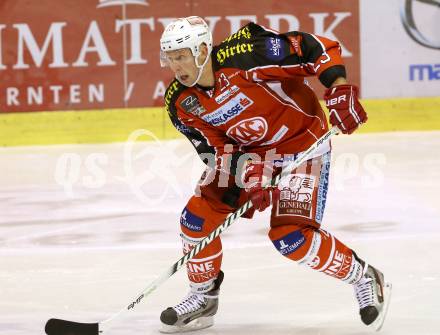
(64,327)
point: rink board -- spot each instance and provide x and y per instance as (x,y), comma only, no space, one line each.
(116,125)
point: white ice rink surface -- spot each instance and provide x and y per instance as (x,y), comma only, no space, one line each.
(80,243)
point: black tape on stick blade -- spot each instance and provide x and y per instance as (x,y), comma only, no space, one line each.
(64,327)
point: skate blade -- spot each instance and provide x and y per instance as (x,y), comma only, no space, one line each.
(378,323)
(200,323)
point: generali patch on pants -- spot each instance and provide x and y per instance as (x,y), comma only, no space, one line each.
(296,195)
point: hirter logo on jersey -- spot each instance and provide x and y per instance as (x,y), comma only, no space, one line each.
(192,105)
(248,131)
(229,110)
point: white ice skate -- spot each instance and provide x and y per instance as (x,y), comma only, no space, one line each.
(373,295)
(196,311)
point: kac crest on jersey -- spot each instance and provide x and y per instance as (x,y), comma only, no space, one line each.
(248,131)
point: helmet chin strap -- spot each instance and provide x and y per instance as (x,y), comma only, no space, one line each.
(199,67)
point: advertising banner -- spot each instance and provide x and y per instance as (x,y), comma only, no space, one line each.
(400,48)
(100,54)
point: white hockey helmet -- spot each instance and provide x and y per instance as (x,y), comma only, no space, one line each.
(188,32)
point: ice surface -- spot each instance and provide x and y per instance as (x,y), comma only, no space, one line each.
(84,228)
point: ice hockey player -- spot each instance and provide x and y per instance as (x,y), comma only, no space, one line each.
(248,98)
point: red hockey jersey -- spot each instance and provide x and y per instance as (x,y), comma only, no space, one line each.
(261,100)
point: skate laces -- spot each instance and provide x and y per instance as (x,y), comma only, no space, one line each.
(193,302)
(365,292)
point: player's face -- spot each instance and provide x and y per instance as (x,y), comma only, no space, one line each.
(182,63)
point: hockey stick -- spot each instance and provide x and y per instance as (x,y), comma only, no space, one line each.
(64,327)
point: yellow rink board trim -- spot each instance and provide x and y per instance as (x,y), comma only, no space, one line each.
(115,125)
(91,126)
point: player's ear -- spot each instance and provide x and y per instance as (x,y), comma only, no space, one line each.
(204,49)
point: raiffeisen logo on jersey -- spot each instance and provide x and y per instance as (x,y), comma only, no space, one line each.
(226,94)
(107,3)
(228,111)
